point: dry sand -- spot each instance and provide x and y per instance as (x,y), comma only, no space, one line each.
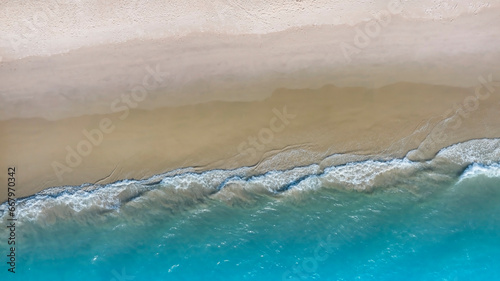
(221,99)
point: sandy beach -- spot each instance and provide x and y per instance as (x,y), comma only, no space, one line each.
(250,140)
(378,123)
(272,100)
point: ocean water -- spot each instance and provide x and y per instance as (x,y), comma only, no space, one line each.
(370,220)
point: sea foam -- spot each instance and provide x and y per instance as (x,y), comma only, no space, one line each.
(475,170)
(472,158)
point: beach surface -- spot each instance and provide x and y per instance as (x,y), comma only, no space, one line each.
(270,99)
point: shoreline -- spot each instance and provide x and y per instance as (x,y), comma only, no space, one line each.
(257,139)
(320,169)
(305,125)
(140,108)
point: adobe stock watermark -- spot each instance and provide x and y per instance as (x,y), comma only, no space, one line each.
(123,276)
(371,30)
(309,265)
(454,117)
(94,137)
(265,136)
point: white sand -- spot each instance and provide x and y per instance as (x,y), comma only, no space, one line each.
(54,26)
(204,66)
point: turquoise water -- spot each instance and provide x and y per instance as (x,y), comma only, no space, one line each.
(398,220)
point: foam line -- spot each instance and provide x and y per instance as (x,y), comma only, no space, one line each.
(477,157)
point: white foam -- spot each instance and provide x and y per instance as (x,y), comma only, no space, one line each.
(475,170)
(72,199)
(275,180)
(482,156)
(485,151)
(363,175)
(210,179)
(309,183)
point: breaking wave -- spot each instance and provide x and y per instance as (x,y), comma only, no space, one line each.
(183,190)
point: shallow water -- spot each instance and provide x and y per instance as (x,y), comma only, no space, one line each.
(372,220)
